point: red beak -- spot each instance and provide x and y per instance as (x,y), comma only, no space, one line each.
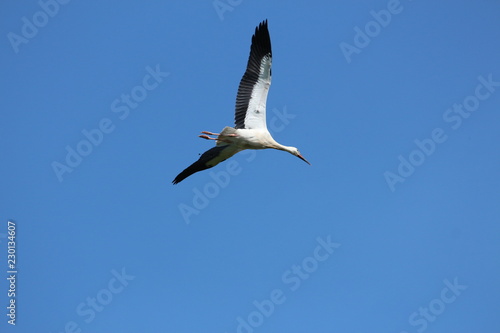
(303,159)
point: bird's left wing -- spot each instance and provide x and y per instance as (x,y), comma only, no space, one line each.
(254,85)
(208,159)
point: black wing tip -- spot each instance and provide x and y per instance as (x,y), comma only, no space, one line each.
(200,164)
(178,179)
(261,36)
(262,25)
(184,174)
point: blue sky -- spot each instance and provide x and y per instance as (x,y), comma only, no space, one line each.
(394,227)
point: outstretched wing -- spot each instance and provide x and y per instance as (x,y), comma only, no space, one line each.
(208,159)
(254,85)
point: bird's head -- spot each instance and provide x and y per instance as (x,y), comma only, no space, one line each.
(296,152)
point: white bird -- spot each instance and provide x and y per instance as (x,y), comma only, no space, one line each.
(250,131)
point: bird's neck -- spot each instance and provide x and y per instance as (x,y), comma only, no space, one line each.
(271,143)
(279,146)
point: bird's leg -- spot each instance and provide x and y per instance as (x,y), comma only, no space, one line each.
(219,136)
(207,137)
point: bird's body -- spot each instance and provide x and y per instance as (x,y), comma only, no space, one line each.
(250,131)
(248,138)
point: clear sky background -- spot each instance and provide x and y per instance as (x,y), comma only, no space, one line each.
(267,243)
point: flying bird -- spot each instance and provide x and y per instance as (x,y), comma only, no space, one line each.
(250,130)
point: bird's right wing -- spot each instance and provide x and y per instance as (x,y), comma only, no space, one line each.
(254,85)
(208,159)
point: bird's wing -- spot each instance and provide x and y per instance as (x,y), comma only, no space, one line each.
(208,159)
(254,85)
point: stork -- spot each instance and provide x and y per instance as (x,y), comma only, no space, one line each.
(250,130)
